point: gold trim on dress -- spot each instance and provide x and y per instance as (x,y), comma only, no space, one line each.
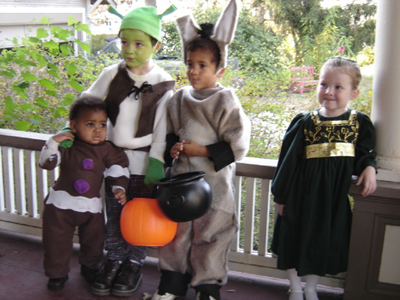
(351,121)
(334,131)
(330,150)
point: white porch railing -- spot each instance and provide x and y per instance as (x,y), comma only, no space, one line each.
(23,186)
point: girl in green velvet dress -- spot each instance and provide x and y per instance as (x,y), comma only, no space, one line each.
(320,152)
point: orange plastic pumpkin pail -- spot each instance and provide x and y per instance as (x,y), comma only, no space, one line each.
(144,224)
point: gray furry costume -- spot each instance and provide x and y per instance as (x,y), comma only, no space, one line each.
(198,253)
(211,117)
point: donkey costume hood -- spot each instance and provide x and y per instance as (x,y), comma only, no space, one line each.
(224,31)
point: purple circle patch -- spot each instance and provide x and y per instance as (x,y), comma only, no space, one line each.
(87,164)
(81,186)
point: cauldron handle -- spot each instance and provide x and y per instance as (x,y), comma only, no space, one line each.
(168,174)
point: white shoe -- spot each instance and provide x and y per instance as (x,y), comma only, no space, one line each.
(198,297)
(166,296)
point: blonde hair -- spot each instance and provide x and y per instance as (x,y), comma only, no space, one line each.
(350,67)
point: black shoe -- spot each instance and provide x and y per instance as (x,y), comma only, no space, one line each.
(204,296)
(207,292)
(128,279)
(106,277)
(90,274)
(56,284)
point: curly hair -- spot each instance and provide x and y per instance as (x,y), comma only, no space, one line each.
(204,42)
(84,103)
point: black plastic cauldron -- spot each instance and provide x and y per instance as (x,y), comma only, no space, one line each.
(184,197)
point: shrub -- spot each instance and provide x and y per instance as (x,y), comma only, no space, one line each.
(43,76)
(366,56)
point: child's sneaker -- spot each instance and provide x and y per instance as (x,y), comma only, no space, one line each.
(166,296)
(128,279)
(108,273)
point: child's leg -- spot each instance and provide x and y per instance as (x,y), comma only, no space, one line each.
(131,275)
(172,285)
(91,239)
(114,242)
(212,236)
(311,286)
(295,291)
(174,264)
(58,231)
(138,189)
(114,245)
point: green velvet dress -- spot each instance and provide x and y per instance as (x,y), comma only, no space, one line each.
(318,158)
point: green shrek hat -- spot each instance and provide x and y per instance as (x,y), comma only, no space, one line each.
(143,18)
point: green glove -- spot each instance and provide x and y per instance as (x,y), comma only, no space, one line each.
(66,143)
(155,171)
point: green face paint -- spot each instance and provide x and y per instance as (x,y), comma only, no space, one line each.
(136,47)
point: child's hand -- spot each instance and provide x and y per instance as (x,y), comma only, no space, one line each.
(368,176)
(191,149)
(62,136)
(120,194)
(176,150)
(281,209)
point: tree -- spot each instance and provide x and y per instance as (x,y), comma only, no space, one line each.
(357,21)
(255,46)
(306,20)
(299,18)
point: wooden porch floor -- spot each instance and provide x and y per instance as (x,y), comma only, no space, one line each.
(22,278)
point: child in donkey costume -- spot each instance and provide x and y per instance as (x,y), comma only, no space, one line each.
(206,123)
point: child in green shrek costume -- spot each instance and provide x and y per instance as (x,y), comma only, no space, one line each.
(135,91)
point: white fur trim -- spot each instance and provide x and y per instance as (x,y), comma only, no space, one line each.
(63,200)
(116,171)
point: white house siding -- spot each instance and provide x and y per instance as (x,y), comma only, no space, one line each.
(20,17)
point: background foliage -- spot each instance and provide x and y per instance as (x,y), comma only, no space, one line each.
(41,79)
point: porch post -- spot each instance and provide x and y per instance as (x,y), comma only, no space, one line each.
(386,96)
(372,272)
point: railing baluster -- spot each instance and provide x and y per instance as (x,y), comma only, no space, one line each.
(249,215)
(264,217)
(32,196)
(8,180)
(20,195)
(42,184)
(2,183)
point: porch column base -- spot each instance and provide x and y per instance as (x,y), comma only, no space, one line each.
(388,169)
(372,272)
